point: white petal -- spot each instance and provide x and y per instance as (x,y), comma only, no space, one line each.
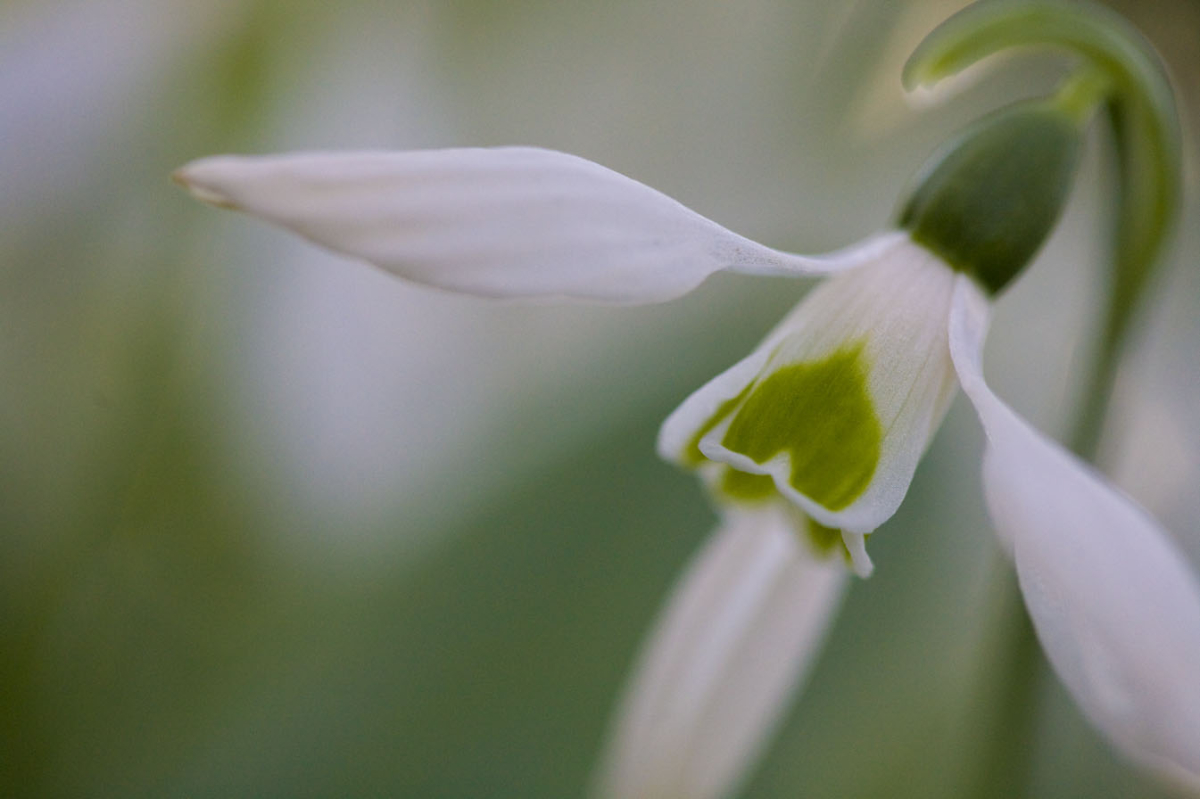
(732,644)
(1115,604)
(894,308)
(503,222)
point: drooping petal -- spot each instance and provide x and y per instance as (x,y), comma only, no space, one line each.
(733,642)
(1114,602)
(838,404)
(498,222)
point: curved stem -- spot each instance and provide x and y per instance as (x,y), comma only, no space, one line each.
(1082,93)
(1007,765)
(1093,405)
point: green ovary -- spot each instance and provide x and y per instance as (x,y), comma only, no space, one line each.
(819,413)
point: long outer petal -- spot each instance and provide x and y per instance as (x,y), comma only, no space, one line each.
(497,222)
(1114,602)
(734,641)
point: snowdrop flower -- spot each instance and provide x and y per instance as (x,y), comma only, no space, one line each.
(809,444)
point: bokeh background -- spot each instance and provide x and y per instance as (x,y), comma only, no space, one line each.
(275,524)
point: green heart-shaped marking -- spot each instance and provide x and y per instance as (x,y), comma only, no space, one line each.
(820,413)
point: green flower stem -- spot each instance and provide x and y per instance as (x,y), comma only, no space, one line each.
(1093,405)
(1006,768)
(1082,93)
(1141,110)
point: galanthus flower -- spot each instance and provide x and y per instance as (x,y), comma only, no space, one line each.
(809,444)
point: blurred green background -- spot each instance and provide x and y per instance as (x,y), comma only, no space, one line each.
(274,524)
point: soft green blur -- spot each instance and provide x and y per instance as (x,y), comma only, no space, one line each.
(273,524)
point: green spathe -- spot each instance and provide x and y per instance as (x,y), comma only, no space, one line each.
(993,199)
(821,416)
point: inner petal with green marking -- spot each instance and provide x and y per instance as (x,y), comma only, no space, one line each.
(820,414)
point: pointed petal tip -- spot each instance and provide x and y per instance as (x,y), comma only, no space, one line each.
(192,177)
(860,561)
